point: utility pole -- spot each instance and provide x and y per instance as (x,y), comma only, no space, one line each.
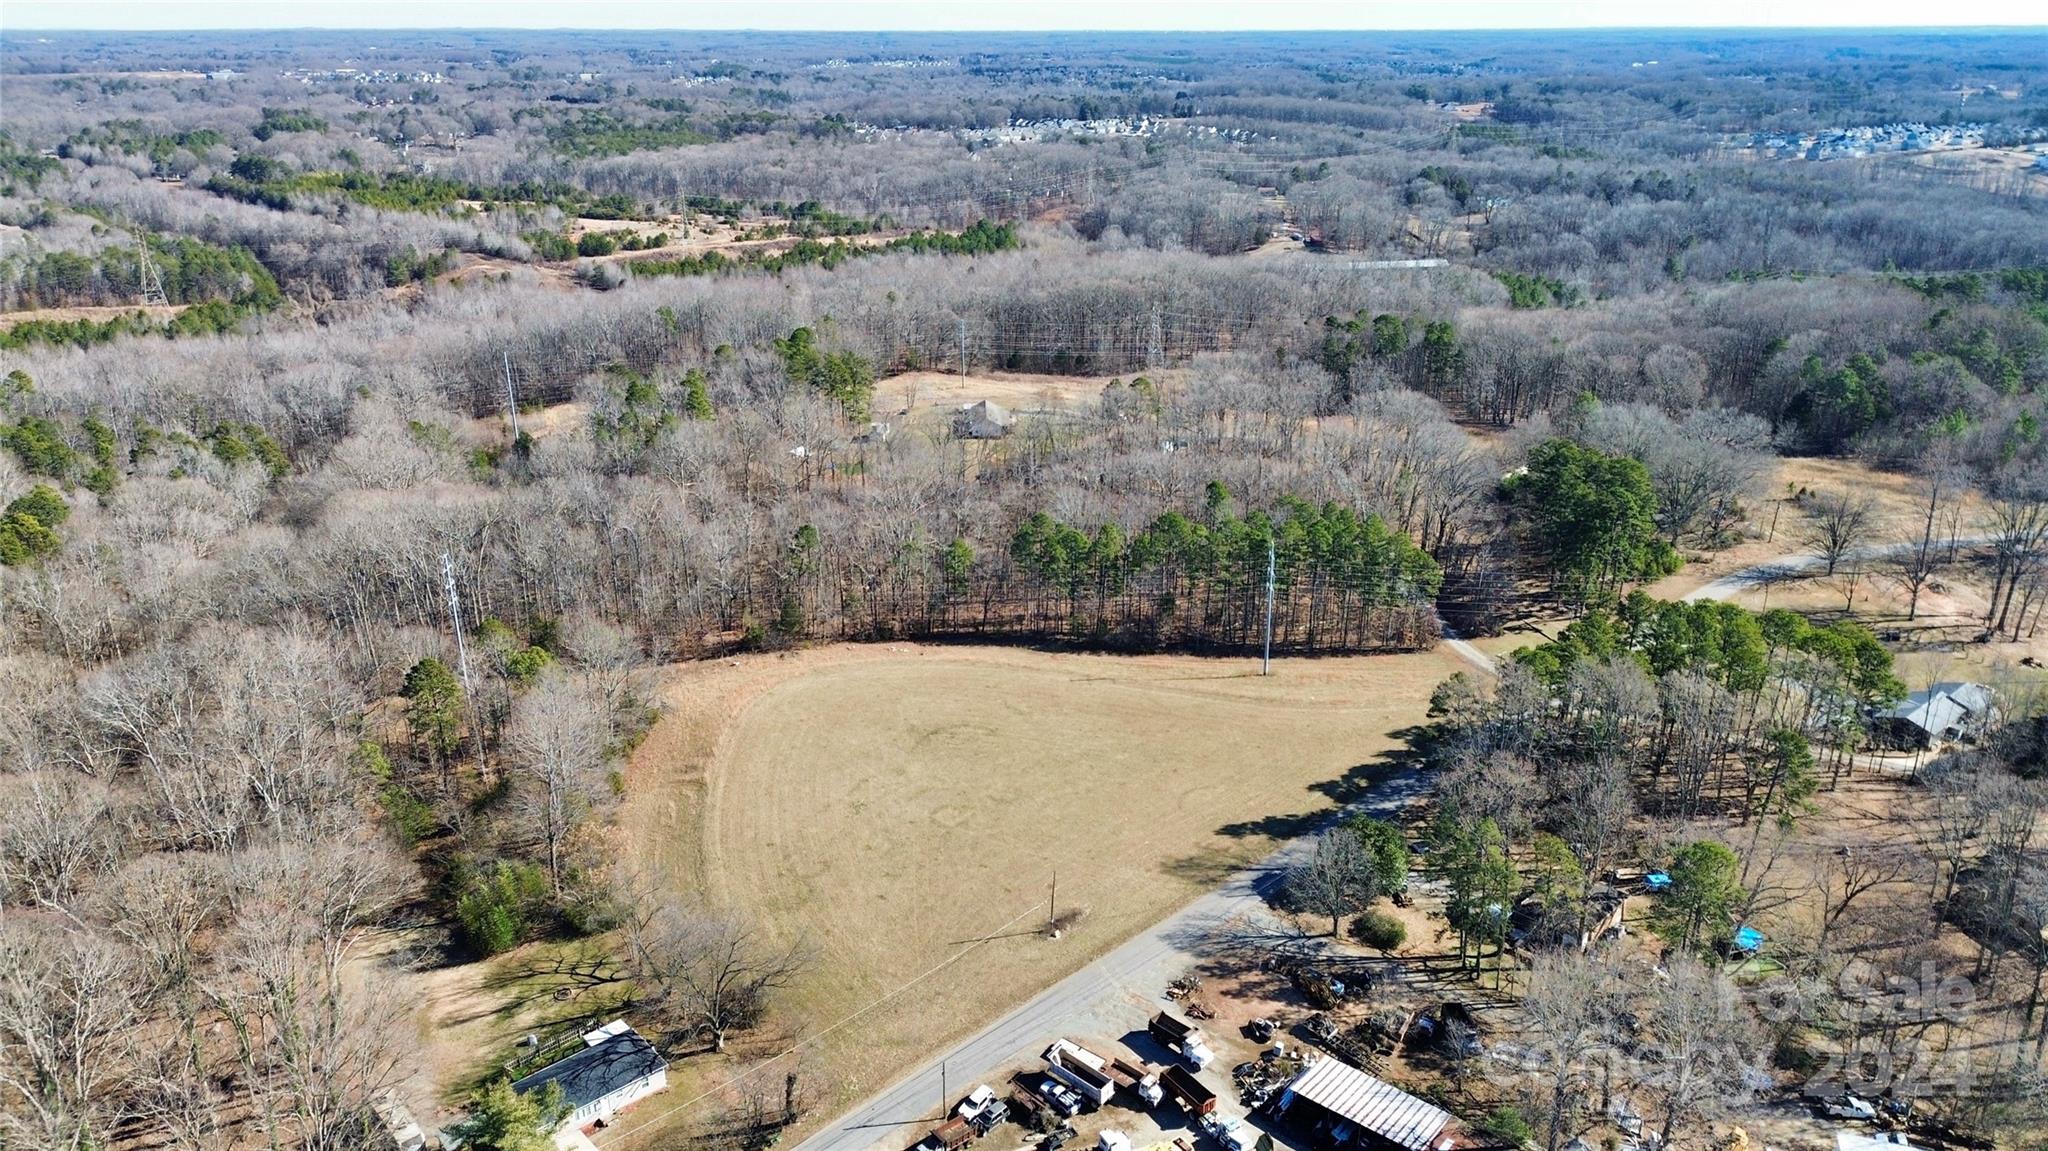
(1155,342)
(1266,660)
(511,397)
(1052,908)
(461,645)
(963,347)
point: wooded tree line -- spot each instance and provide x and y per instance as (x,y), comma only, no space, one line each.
(1694,739)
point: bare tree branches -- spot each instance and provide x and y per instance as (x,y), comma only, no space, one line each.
(709,973)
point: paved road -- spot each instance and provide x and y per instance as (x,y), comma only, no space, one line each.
(897,1117)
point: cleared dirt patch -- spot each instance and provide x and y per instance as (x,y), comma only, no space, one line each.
(904,809)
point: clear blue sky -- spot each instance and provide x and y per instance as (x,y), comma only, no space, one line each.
(986,15)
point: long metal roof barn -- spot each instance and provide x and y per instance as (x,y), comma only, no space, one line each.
(1377,1106)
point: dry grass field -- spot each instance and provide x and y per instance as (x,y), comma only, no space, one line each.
(923,392)
(904,809)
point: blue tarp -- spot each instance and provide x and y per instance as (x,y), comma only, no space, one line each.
(1748,939)
(1657,881)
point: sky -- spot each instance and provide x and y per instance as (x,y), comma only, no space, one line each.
(994,15)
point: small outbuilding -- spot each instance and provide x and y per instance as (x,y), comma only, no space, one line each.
(986,420)
(616,1068)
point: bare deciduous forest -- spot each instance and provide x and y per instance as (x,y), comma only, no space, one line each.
(381,413)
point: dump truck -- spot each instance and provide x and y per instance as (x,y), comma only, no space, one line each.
(1182,1038)
(1188,1091)
(1143,1080)
(1081,1070)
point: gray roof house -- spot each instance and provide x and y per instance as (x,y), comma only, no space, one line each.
(1946,711)
(986,420)
(616,1068)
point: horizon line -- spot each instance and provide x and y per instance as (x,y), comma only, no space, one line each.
(1075,31)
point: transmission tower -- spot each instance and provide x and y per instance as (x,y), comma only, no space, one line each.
(152,280)
(1155,342)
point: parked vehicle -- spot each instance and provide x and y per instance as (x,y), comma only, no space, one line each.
(1143,1080)
(1188,1091)
(983,1109)
(1183,1038)
(1083,1071)
(1229,1133)
(1059,1097)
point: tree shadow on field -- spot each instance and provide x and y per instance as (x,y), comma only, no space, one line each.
(1362,782)
(1207,868)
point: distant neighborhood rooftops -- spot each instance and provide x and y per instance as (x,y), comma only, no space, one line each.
(614,1057)
(1372,1105)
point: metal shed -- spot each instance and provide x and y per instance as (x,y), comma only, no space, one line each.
(1380,1110)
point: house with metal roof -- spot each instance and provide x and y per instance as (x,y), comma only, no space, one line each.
(1945,711)
(616,1068)
(1337,1107)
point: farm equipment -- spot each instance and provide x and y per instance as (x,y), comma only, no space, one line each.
(1363,1046)
(1083,1071)
(1261,1079)
(1184,1039)
(1324,984)
(1188,1091)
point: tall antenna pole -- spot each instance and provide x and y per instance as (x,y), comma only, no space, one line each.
(1266,659)
(511,397)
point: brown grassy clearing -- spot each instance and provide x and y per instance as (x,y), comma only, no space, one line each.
(96,313)
(919,392)
(903,809)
